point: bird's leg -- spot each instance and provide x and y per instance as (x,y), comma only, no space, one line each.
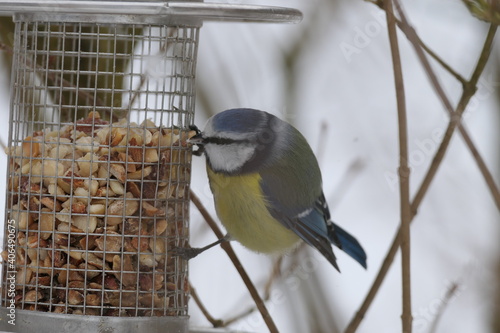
(188,253)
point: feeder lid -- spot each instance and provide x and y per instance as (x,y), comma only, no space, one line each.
(180,10)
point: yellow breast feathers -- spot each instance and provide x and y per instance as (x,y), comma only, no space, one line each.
(241,207)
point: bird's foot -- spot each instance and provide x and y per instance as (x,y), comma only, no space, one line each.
(186,253)
(189,253)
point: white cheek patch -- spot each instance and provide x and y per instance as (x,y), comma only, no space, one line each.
(229,157)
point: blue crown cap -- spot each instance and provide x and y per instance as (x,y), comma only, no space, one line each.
(239,120)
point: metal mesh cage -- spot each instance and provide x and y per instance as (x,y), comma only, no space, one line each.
(98,171)
(98,163)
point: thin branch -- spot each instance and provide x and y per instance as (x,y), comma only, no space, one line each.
(452,290)
(455,115)
(226,246)
(197,300)
(404,170)
(239,316)
(221,322)
(358,317)
(275,274)
(137,92)
(386,264)
(433,54)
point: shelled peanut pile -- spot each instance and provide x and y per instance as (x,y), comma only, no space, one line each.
(97,206)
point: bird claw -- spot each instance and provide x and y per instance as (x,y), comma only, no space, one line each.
(189,253)
(186,253)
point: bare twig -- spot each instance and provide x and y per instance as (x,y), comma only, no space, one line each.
(404,170)
(386,264)
(358,317)
(137,91)
(224,322)
(452,290)
(203,309)
(241,315)
(470,86)
(226,246)
(275,273)
(455,115)
(427,49)
(430,52)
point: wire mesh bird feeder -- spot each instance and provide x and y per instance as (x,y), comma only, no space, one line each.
(97,190)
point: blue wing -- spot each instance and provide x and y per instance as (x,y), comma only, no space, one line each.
(314,226)
(311,227)
(338,236)
(305,210)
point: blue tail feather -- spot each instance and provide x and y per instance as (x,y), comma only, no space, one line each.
(347,243)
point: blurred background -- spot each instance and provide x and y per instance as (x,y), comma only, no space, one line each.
(331,76)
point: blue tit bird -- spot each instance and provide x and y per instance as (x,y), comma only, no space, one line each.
(267,185)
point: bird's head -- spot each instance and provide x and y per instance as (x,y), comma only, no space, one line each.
(240,140)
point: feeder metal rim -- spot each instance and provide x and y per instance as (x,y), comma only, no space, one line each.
(29,321)
(188,10)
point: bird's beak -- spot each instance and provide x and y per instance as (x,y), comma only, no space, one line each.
(196,140)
